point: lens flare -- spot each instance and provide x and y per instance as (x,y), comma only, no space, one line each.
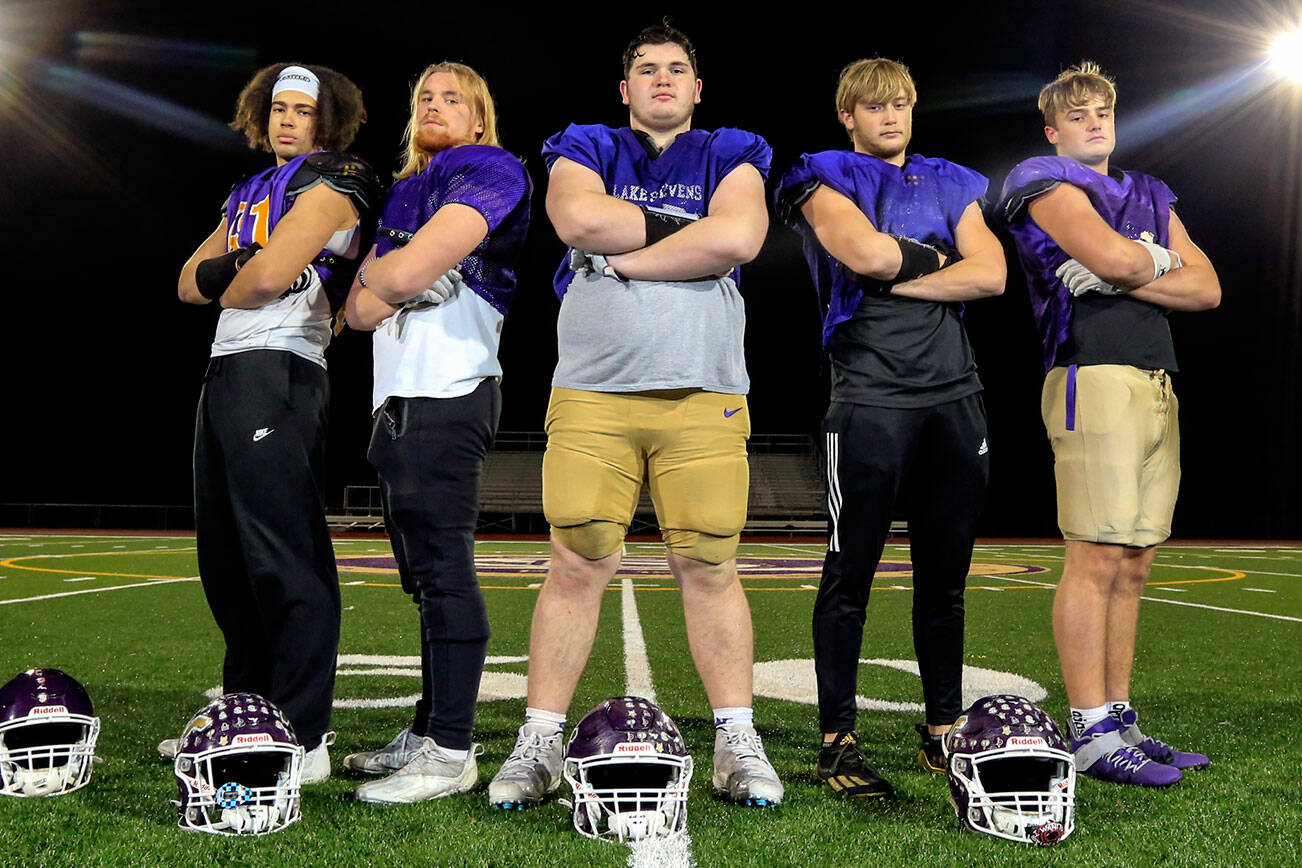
(1286,55)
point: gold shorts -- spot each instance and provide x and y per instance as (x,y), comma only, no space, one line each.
(689,445)
(1116,447)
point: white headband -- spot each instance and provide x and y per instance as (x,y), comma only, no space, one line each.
(299,79)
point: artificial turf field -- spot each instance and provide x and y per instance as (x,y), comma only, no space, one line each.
(1217,671)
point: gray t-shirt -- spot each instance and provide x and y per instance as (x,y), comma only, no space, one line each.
(643,335)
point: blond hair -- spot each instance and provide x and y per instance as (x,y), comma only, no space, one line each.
(474,89)
(873,80)
(1074,87)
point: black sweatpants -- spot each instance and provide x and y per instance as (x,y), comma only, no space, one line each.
(429,454)
(934,461)
(265,558)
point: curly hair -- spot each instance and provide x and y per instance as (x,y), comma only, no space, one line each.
(660,34)
(339,109)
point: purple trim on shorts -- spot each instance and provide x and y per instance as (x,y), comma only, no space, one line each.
(1071,397)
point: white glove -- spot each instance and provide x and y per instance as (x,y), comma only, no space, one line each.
(443,288)
(1081,280)
(582,262)
(1163,260)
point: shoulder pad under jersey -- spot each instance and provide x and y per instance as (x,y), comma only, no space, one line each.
(343,173)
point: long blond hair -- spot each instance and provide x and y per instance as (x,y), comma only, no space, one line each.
(473,88)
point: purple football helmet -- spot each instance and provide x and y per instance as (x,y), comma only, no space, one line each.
(1011,774)
(629,770)
(239,768)
(48,730)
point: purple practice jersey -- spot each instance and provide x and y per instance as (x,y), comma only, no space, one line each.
(485,178)
(1122,330)
(256,205)
(923,200)
(679,180)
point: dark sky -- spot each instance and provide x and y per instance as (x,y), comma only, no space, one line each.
(115,161)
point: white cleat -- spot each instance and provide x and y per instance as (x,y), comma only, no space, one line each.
(316,762)
(430,774)
(531,771)
(390,758)
(168,748)
(742,770)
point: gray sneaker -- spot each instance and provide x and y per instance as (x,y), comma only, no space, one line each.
(429,774)
(531,771)
(389,758)
(742,771)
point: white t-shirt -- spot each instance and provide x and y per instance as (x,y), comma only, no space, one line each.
(300,323)
(442,351)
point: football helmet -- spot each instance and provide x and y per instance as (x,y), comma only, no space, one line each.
(1010,772)
(48,730)
(239,768)
(629,770)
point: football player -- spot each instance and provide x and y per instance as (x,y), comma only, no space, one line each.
(651,375)
(895,243)
(1106,260)
(278,265)
(440,277)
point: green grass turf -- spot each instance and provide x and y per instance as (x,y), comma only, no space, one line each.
(1226,683)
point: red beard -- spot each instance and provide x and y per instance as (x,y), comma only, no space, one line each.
(434,139)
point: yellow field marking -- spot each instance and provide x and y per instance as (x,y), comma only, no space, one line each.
(12,563)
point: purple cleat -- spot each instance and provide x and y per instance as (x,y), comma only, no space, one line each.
(1154,749)
(1102,753)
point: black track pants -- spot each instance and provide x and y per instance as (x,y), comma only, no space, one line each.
(265,558)
(932,461)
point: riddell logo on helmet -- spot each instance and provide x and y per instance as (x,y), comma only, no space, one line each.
(48,709)
(257,738)
(1026,741)
(635,747)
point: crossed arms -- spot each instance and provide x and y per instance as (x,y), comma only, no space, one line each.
(848,234)
(588,219)
(1066,214)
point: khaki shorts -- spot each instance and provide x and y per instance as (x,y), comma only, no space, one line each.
(690,445)
(1116,450)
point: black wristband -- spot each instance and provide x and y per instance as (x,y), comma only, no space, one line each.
(660,225)
(212,276)
(915,260)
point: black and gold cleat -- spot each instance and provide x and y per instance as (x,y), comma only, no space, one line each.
(931,752)
(846,770)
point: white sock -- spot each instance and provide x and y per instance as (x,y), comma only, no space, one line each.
(544,721)
(453,754)
(726,718)
(1083,718)
(1116,708)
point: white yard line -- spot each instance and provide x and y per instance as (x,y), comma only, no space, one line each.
(93,591)
(1222,609)
(654,852)
(637,668)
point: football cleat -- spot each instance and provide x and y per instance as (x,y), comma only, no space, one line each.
(393,756)
(1101,753)
(169,747)
(531,771)
(742,770)
(931,751)
(1157,750)
(845,769)
(430,774)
